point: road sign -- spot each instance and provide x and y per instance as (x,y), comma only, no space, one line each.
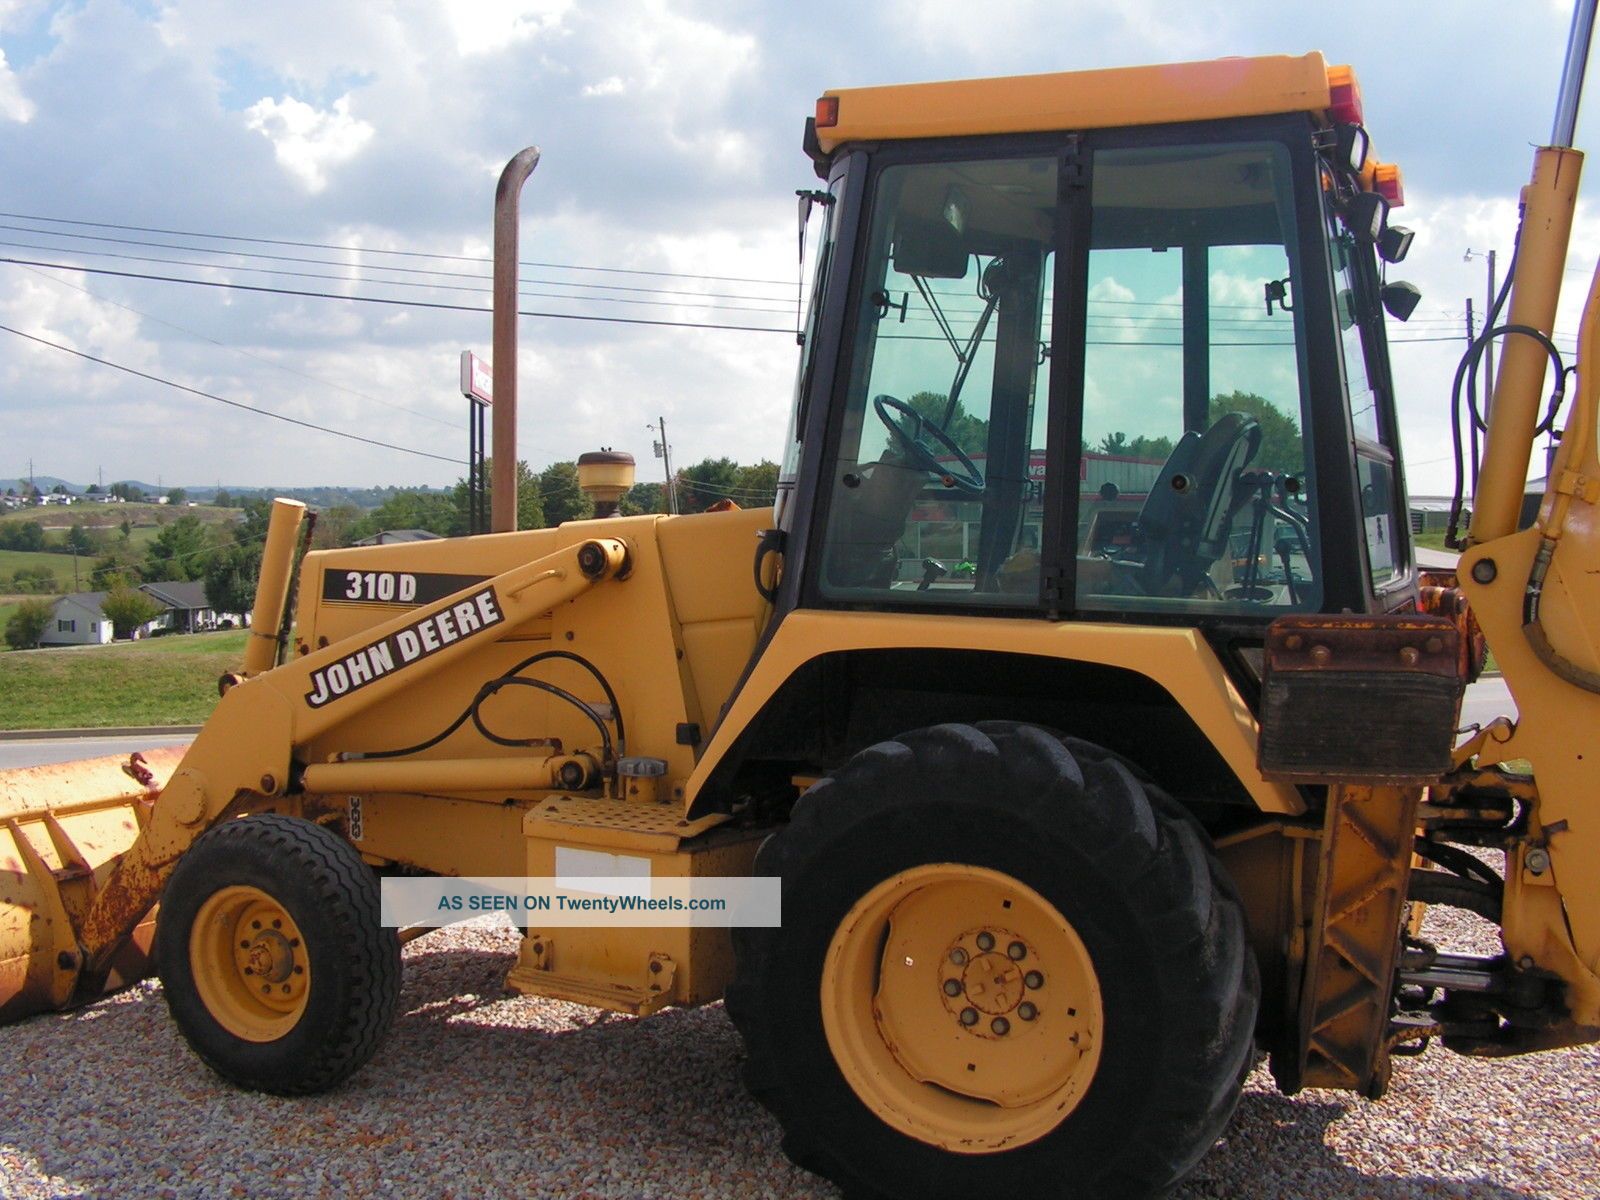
(477,380)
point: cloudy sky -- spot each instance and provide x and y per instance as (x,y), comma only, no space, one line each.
(670,134)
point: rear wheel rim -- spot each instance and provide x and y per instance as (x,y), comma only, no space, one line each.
(962,1008)
(249,963)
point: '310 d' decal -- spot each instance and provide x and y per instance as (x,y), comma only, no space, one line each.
(407,588)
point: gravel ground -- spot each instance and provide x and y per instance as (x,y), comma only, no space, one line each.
(478,1094)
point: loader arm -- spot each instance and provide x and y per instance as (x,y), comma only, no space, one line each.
(246,747)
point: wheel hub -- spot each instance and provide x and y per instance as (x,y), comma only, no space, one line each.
(977,985)
(249,963)
(979,1036)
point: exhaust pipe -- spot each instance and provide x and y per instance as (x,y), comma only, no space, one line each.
(507,209)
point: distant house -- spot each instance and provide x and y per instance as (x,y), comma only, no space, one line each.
(391,536)
(76,620)
(188,608)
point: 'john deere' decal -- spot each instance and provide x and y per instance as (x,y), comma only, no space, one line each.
(400,649)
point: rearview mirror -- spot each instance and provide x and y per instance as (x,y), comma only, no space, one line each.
(930,249)
(1401,299)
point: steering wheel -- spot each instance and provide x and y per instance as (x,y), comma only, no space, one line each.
(968,480)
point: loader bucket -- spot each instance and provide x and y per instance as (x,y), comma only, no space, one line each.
(62,829)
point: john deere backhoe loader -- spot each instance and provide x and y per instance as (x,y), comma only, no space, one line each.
(1080,689)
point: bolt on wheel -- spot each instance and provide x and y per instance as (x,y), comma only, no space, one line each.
(962,1007)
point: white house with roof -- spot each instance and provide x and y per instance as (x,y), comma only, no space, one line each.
(76,620)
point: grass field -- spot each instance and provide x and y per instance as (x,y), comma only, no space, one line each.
(162,681)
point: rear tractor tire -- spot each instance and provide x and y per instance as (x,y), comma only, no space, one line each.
(274,963)
(1008,965)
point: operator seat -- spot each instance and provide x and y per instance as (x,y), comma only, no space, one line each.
(1184,524)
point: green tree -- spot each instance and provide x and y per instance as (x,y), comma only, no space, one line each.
(433,511)
(94,489)
(177,496)
(36,580)
(118,567)
(80,540)
(222,499)
(560,496)
(1282,448)
(231,577)
(179,551)
(27,624)
(965,430)
(333,529)
(644,498)
(22,535)
(702,485)
(758,483)
(127,608)
(530,509)
(1114,443)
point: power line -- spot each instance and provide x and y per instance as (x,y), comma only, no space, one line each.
(105,362)
(433,304)
(325,262)
(237,349)
(260,241)
(360,278)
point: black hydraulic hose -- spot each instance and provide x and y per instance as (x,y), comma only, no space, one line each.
(470,712)
(1467,372)
(605,686)
(494,685)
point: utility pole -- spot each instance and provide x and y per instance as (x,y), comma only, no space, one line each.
(664,453)
(1472,426)
(1488,351)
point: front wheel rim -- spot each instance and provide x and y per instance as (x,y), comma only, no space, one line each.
(249,963)
(962,1008)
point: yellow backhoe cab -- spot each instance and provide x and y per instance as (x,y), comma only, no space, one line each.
(1081,689)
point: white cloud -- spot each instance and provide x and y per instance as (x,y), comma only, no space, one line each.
(485,26)
(307,141)
(611,85)
(14,106)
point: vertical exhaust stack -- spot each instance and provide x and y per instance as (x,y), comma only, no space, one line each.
(507,210)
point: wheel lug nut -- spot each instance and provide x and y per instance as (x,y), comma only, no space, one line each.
(286,989)
(969,1016)
(1017,951)
(986,941)
(958,956)
(952,987)
(1033,979)
(255,924)
(277,924)
(1027,1011)
(244,945)
(266,988)
(1001,1026)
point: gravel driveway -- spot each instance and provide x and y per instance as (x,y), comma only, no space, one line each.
(477,1094)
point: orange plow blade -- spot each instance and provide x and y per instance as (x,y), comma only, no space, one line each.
(62,829)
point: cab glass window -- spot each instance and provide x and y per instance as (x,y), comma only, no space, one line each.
(1195,478)
(936,493)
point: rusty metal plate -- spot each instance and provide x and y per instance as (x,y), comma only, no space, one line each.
(1360,699)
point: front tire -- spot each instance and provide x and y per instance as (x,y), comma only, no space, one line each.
(883,1024)
(270,951)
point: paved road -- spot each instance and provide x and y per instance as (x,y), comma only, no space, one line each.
(54,750)
(1485,700)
